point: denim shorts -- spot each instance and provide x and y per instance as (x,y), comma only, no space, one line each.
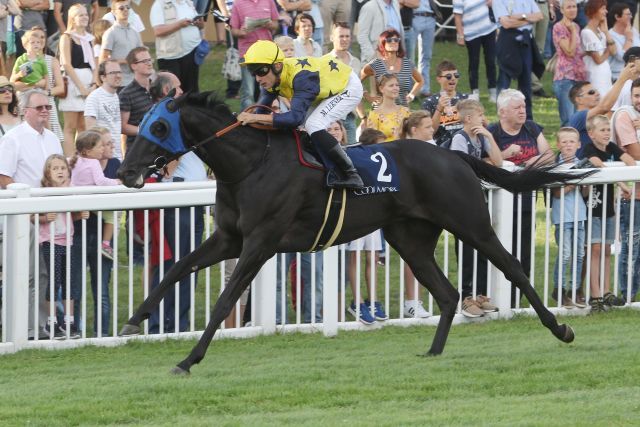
(596,230)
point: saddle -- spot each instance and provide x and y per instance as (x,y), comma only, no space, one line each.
(307,154)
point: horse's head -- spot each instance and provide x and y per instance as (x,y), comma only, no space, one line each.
(159,139)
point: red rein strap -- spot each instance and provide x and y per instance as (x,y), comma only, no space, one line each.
(253,125)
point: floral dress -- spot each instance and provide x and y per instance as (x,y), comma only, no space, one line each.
(388,123)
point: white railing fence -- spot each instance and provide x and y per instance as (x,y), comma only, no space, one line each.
(170,220)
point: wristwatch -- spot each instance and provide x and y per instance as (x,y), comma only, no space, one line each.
(524,16)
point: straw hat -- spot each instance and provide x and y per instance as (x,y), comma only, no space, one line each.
(5,82)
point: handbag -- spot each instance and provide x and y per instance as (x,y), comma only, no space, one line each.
(231,65)
(202,50)
(65,81)
(551,65)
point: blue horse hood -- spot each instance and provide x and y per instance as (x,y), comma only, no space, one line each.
(161,126)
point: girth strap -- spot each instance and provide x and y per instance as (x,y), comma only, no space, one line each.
(333,220)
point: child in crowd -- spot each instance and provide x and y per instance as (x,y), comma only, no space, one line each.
(474,139)
(370,244)
(87,170)
(569,217)
(30,68)
(337,130)
(388,117)
(58,174)
(285,43)
(603,214)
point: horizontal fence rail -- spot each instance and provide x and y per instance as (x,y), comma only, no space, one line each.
(79,292)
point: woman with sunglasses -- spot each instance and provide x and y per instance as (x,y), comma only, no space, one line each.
(392,60)
(570,67)
(9,117)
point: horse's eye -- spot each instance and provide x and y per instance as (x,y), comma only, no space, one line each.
(159,129)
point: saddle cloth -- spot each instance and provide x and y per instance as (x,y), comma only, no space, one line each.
(374,163)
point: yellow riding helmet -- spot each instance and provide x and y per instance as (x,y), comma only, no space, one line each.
(262,52)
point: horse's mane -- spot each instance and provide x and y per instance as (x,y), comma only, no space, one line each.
(209,101)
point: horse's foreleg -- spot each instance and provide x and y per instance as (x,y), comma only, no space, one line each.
(251,260)
(216,248)
(415,241)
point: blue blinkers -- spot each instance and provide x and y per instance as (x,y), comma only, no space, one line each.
(161,125)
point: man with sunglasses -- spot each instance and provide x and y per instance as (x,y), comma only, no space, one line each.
(442,106)
(588,102)
(322,90)
(120,39)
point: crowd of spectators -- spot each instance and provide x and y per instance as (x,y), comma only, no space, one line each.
(92,66)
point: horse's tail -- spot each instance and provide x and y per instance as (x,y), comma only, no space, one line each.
(528,179)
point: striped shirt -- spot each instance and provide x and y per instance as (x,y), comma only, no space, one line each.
(253,9)
(405,76)
(136,100)
(475,18)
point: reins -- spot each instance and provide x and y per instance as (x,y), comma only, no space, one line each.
(161,162)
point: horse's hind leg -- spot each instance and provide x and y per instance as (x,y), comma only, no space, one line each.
(416,241)
(491,247)
(216,248)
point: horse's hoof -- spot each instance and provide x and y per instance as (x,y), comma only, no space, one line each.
(569,336)
(129,330)
(429,354)
(178,371)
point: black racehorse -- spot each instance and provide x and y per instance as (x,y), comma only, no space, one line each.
(268,203)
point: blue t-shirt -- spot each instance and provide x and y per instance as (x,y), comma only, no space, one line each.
(569,205)
(579,122)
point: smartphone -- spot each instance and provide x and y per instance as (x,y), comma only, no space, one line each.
(202,16)
(26,68)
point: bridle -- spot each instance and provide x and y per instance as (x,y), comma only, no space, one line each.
(161,162)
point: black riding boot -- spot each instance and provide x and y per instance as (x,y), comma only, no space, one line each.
(330,148)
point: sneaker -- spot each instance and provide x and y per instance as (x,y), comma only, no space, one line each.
(378,311)
(580,301)
(414,308)
(485,304)
(107,251)
(54,332)
(471,308)
(613,300)
(365,314)
(597,305)
(73,331)
(567,303)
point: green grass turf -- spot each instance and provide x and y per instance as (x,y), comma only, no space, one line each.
(493,373)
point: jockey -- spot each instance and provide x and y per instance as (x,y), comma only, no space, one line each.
(327,86)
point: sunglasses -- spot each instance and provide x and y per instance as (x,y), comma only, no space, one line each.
(260,71)
(41,108)
(6,89)
(451,75)
(392,39)
(590,92)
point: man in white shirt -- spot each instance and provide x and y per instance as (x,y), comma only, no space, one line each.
(25,148)
(102,107)
(23,152)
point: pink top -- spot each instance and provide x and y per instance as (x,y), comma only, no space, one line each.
(59,231)
(569,68)
(89,172)
(256,9)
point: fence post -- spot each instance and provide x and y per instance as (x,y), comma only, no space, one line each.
(330,292)
(16,243)
(502,219)
(265,297)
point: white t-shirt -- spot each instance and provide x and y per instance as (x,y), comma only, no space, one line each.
(105,107)
(625,96)
(185,10)
(134,20)
(23,152)
(598,74)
